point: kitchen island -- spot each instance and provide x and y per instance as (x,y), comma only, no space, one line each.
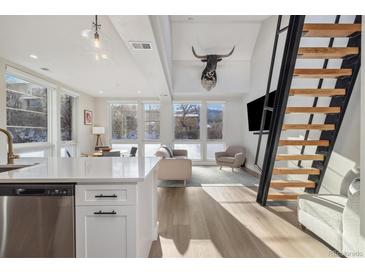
(115,200)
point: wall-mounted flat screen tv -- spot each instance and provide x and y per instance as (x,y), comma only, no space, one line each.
(254,112)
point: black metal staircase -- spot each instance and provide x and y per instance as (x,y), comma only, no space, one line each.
(340,95)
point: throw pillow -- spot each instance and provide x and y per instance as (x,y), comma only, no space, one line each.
(169,150)
(162,153)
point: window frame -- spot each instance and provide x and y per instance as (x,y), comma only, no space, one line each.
(75,107)
(192,102)
(203,140)
(36,146)
(140,141)
(110,132)
(147,140)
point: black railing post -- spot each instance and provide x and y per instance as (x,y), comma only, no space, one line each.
(265,109)
(294,34)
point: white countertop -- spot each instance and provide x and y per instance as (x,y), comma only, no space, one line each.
(81,170)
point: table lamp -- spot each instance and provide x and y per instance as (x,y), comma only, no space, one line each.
(98,131)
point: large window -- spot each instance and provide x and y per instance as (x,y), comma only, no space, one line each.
(214,121)
(194,150)
(212,148)
(66,116)
(124,121)
(26,109)
(187,121)
(151,121)
(150,149)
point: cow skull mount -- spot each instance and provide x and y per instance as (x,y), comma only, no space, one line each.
(209,75)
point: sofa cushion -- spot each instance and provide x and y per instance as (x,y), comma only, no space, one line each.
(327,208)
(226,159)
(180,157)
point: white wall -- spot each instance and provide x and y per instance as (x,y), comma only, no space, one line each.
(85,140)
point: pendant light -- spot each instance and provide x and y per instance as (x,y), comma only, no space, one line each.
(96,27)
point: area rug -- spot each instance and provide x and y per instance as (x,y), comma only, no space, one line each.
(213,176)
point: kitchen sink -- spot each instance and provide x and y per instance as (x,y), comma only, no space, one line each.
(5,168)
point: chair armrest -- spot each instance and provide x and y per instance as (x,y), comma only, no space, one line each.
(180,152)
(239,159)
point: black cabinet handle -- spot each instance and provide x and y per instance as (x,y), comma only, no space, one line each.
(105,212)
(106,196)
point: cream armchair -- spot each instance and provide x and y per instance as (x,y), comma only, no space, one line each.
(234,157)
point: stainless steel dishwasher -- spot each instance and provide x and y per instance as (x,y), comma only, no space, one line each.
(37,220)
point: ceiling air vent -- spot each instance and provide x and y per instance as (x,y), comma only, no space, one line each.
(140,45)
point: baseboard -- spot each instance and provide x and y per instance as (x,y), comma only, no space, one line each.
(251,171)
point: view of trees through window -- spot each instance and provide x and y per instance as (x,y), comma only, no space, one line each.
(152,121)
(26,109)
(124,121)
(187,121)
(66,114)
(215,121)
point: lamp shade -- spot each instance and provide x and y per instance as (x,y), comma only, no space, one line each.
(98,130)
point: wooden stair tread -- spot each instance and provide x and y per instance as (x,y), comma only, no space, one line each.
(308,127)
(322,143)
(292,183)
(322,73)
(280,196)
(318,92)
(288,157)
(330,30)
(326,53)
(288,170)
(313,110)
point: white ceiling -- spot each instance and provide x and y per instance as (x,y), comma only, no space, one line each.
(58,43)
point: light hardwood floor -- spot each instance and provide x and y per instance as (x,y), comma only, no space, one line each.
(227,222)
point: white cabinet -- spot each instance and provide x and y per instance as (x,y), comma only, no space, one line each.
(116,220)
(105,231)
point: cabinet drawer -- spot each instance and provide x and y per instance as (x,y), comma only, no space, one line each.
(105,195)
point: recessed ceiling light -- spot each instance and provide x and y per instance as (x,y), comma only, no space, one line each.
(97,57)
(33,56)
(101,92)
(139,92)
(104,56)
(85,33)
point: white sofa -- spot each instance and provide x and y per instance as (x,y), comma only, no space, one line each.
(174,164)
(335,218)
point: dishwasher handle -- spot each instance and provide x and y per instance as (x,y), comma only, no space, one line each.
(30,191)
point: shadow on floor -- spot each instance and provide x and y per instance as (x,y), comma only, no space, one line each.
(191,223)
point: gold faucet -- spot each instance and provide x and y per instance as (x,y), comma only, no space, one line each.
(11,155)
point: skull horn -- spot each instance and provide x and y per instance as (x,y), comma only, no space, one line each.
(227,55)
(198,56)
